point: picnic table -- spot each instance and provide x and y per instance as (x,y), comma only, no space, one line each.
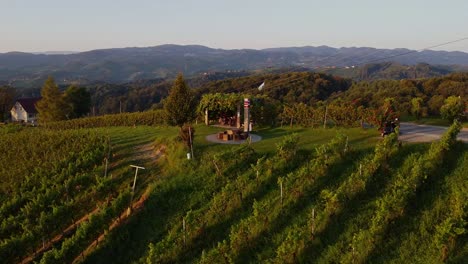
(232,134)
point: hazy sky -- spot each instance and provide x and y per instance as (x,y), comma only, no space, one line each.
(78,25)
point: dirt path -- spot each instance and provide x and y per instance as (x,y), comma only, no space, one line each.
(411,132)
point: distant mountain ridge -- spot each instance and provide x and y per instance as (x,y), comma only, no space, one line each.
(129,64)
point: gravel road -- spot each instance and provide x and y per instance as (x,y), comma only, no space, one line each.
(411,132)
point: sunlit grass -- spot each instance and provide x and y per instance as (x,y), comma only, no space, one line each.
(309,138)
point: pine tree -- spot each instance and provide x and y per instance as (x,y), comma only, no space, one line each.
(52,106)
(180,104)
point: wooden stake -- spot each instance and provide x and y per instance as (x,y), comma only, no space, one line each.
(190,140)
(325,118)
(185,233)
(218,172)
(105,169)
(281,192)
(313,223)
(346,145)
(257,176)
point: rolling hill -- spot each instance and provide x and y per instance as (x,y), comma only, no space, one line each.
(128,64)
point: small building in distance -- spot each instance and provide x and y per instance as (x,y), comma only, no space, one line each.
(25,110)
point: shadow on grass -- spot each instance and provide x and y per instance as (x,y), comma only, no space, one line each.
(127,243)
(343,220)
(220,231)
(271,133)
(422,200)
(310,196)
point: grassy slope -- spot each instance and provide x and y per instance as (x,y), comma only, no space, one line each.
(190,185)
(181,192)
(126,143)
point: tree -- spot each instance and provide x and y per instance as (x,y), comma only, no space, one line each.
(435,103)
(52,107)
(416,107)
(180,105)
(7,95)
(453,108)
(387,112)
(78,100)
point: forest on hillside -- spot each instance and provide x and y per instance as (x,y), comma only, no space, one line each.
(282,89)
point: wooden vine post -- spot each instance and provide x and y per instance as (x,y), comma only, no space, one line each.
(184,229)
(325,118)
(313,224)
(280,182)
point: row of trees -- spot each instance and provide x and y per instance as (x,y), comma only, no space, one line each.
(453,108)
(180,107)
(422,97)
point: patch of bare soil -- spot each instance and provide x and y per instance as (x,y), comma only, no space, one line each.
(149,152)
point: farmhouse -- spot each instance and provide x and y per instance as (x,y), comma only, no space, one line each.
(24,110)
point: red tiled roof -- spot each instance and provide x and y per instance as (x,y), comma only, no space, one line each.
(29,104)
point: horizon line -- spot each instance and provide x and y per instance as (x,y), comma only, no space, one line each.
(69,52)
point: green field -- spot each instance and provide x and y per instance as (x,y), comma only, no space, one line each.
(299,195)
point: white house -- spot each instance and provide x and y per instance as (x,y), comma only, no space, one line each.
(24,110)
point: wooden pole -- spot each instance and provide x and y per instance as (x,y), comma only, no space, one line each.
(238,121)
(346,145)
(313,223)
(246,115)
(281,192)
(325,118)
(190,140)
(105,170)
(185,232)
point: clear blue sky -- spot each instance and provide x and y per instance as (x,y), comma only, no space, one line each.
(78,25)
